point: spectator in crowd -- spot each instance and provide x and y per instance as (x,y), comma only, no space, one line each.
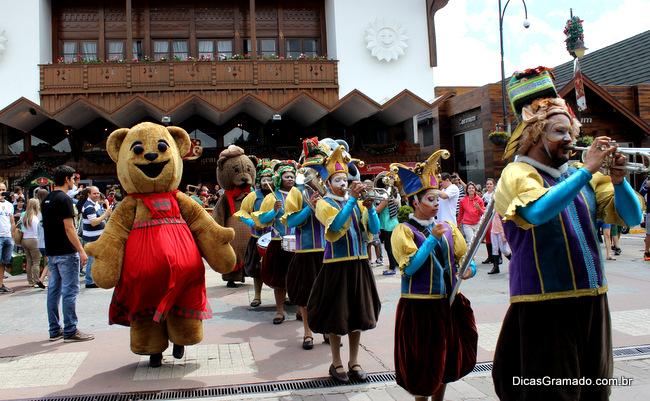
(448,199)
(93,221)
(457,181)
(487,196)
(41,194)
(7,227)
(499,243)
(387,211)
(65,254)
(470,212)
(19,208)
(30,222)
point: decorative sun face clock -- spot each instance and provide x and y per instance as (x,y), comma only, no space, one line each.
(386,40)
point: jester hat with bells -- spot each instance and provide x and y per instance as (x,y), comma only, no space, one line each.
(423,176)
(336,162)
(534,99)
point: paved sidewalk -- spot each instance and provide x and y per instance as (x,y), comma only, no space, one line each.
(242,346)
(472,388)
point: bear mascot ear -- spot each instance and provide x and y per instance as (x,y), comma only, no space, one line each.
(114,142)
(182,139)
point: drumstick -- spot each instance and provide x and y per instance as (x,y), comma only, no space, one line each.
(272,191)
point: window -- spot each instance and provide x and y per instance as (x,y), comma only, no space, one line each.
(296,47)
(161,50)
(79,51)
(207,49)
(265,47)
(137,50)
(114,50)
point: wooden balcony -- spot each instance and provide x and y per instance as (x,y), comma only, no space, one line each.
(143,77)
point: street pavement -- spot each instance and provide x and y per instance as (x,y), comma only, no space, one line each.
(242,346)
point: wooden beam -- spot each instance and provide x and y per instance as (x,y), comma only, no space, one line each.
(253,33)
(323,31)
(281,41)
(146,45)
(193,45)
(101,46)
(237,48)
(129,31)
(432,7)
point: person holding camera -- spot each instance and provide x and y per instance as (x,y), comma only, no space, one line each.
(93,220)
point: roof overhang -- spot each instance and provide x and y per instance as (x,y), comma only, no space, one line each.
(306,110)
(23,115)
(603,94)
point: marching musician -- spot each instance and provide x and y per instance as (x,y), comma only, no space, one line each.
(427,344)
(558,323)
(308,257)
(249,205)
(344,299)
(275,261)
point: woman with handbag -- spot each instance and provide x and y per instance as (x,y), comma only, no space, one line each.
(29,222)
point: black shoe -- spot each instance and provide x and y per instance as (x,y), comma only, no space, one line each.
(617,251)
(231,284)
(178,351)
(155,360)
(359,374)
(57,336)
(495,268)
(93,285)
(500,260)
(5,290)
(341,377)
(487,261)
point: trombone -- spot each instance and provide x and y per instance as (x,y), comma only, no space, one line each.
(608,163)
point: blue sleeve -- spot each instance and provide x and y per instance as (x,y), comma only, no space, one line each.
(472,267)
(420,256)
(296,219)
(373,220)
(556,199)
(267,217)
(248,221)
(627,204)
(343,215)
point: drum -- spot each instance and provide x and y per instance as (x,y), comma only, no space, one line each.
(263,243)
(289,243)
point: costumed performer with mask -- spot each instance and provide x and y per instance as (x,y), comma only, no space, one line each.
(344,299)
(276,259)
(432,347)
(558,324)
(251,204)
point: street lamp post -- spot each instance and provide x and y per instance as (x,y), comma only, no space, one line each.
(502,12)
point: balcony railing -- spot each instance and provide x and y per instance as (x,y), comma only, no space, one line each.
(58,79)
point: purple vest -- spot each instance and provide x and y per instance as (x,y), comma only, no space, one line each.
(431,280)
(560,258)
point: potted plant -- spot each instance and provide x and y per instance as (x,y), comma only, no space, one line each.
(585,141)
(499,138)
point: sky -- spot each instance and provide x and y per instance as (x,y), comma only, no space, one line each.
(467,33)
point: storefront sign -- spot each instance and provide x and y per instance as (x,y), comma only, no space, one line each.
(466,121)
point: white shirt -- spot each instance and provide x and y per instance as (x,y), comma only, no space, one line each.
(31,232)
(6,214)
(447,207)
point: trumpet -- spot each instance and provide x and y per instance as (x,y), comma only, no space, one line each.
(608,163)
(375,194)
(313,186)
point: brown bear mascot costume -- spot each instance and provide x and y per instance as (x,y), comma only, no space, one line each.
(236,175)
(151,250)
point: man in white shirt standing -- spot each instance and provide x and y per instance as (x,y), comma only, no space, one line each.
(448,199)
(94,216)
(7,226)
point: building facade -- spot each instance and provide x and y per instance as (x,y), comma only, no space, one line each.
(260,73)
